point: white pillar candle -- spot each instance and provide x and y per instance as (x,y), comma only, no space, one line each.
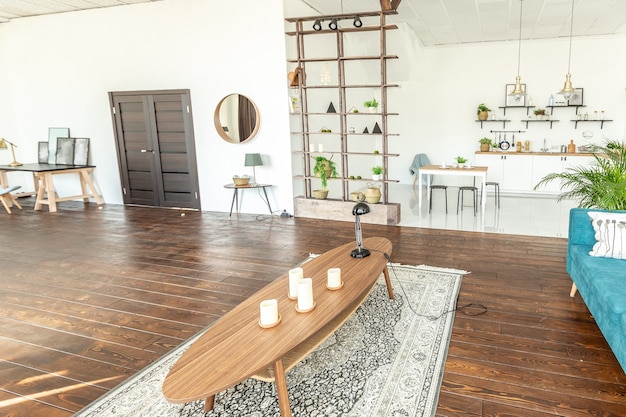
(269,312)
(311,147)
(295,275)
(334,277)
(305,294)
(320,147)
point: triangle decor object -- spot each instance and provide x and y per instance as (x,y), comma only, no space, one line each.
(376,129)
(331,108)
(366,131)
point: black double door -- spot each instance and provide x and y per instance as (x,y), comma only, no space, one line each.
(156,148)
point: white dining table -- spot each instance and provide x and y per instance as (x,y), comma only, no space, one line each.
(476,171)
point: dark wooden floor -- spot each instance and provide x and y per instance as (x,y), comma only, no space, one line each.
(89,297)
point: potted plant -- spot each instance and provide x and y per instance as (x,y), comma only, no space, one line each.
(600,185)
(485,143)
(372,105)
(540,113)
(483,112)
(377,171)
(324,168)
(461,161)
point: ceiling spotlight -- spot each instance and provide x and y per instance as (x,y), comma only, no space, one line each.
(333,24)
(357,22)
(317,25)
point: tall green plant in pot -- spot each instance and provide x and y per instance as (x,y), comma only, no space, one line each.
(324,168)
(601,185)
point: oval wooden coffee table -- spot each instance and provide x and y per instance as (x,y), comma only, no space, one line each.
(236,347)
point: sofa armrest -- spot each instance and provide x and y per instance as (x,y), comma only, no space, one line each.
(580,228)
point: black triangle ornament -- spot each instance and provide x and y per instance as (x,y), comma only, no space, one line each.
(366,131)
(376,129)
(331,108)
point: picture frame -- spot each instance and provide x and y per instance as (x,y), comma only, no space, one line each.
(53,134)
(512,101)
(65,151)
(42,152)
(577,98)
(81,151)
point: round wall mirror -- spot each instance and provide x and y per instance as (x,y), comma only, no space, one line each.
(236,118)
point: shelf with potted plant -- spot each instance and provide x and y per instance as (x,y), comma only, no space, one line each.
(375,98)
(541,116)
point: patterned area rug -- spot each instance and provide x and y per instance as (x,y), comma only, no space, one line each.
(386,360)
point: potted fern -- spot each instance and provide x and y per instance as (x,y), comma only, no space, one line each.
(324,168)
(601,185)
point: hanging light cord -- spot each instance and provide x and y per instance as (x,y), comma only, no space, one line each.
(519,47)
(571,29)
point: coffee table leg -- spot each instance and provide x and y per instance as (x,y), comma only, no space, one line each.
(281,388)
(209,403)
(388,282)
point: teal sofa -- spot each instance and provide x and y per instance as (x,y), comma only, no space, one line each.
(600,281)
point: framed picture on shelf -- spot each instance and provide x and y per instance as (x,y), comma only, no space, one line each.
(514,101)
(577,98)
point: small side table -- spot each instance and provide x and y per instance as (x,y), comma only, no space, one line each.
(236,189)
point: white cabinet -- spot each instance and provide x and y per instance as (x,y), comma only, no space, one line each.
(512,171)
(548,164)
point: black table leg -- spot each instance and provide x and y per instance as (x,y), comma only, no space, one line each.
(235,198)
(267,200)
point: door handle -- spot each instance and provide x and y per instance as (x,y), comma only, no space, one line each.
(146,150)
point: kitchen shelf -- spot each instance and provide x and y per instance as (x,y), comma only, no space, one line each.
(504,122)
(590,121)
(539,121)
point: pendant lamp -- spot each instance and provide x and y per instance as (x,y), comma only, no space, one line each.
(568,90)
(518,92)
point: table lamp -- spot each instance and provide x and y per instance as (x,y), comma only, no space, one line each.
(359,209)
(253,160)
(3,145)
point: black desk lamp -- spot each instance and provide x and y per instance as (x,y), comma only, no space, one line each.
(357,211)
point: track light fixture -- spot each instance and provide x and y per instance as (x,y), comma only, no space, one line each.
(333,25)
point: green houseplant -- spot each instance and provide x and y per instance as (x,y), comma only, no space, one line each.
(377,171)
(600,185)
(482,111)
(485,143)
(372,104)
(324,168)
(461,161)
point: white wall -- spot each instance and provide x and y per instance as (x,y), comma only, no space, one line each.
(438,106)
(58,69)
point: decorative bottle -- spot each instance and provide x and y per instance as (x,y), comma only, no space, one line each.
(551,101)
(571,148)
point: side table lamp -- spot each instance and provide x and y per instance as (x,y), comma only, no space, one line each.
(253,160)
(3,145)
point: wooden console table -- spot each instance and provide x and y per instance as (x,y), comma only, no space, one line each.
(236,348)
(46,194)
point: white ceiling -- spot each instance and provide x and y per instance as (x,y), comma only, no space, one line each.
(442,22)
(435,22)
(12,9)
